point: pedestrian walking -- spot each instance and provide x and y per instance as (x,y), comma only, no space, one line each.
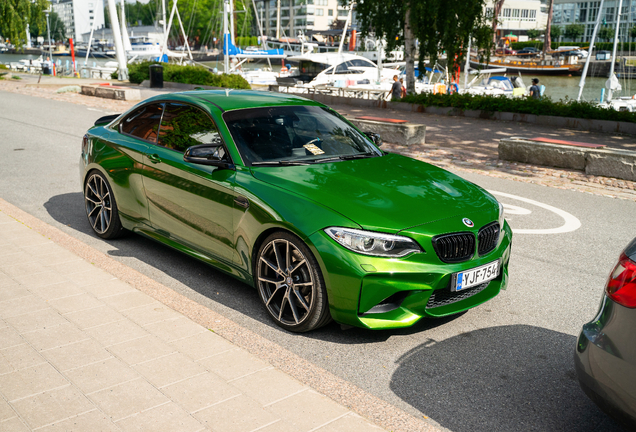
(535,91)
(46,66)
(396,88)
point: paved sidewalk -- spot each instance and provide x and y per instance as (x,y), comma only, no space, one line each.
(82,350)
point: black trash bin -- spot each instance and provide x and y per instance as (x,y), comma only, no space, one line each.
(156,76)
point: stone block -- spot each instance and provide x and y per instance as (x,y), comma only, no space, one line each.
(394,133)
(112,92)
(615,163)
(562,156)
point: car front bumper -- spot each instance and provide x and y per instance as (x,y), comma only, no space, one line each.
(605,361)
(384,293)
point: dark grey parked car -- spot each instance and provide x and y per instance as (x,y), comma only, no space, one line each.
(605,356)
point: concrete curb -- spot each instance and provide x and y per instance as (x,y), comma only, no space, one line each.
(557,122)
(615,163)
(335,388)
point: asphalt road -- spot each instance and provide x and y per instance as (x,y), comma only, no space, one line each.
(506,365)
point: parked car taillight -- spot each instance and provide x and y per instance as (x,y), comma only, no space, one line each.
(621,286)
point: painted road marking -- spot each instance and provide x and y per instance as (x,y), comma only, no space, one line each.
(515,210)
(570,222)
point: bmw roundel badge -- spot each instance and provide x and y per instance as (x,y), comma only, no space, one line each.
(468,222)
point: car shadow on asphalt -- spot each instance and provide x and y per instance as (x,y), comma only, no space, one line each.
(508,378)
(213,284)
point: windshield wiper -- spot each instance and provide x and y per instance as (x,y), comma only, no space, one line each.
(283,162)
(359,155)
(348,157)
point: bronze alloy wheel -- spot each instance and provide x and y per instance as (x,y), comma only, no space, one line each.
(290,284)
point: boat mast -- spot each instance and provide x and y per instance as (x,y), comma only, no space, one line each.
(119,46)
(589,55)
(346,26)
(278,20)
(611,73)
(226,40)
(470,39)
(260,29)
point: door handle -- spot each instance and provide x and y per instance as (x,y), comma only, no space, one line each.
(154,158)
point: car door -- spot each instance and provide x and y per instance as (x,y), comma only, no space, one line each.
(134,134)
(190,203)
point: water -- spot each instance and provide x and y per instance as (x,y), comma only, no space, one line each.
(79,61)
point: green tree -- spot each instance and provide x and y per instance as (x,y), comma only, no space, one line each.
(14,16)
(439,25)
(606,33)
(556,31)
(574,31)
(533,33)
(632,32)
(58,31)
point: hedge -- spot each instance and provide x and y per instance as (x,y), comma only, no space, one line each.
(138,72)
(544,106)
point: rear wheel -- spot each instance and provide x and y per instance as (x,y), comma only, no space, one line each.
(290,284)
(101,208)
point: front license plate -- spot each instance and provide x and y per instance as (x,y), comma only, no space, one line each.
(475,276)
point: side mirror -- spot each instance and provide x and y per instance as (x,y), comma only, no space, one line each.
(207,154)
(377,140)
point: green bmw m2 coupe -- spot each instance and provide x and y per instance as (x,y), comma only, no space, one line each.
(286,195)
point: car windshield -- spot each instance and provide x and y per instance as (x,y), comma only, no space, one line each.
(295,135)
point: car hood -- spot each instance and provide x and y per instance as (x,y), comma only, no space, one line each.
(388,193)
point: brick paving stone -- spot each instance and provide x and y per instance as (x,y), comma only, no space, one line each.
(102,315)
(165,418)
(56,291)
(268,386)
(295,410)
(234,364)
(52,337)
(117,332)
(169,369)
(14,425)
(101,375)
(194,393)
(38,320)
(88,422)
(240,414)
(30,381)
(175,329)
(203,345)
(141,350)
(76,355)
(51,406)
(129,398)
(21,305)
(109,288)
(19,357)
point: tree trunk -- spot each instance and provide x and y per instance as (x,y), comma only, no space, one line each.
(495,19)
(548,40)
(409,53)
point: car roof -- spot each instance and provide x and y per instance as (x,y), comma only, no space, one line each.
(230,99)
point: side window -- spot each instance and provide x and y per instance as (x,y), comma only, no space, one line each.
(184,126)
(143,123)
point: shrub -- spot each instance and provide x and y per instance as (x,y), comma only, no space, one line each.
(543,106)
(3,66)
(138,72)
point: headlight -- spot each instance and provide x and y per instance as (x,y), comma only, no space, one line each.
(373,243)
(501,215)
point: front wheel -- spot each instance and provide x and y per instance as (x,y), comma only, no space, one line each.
(101,208)
(290,284)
